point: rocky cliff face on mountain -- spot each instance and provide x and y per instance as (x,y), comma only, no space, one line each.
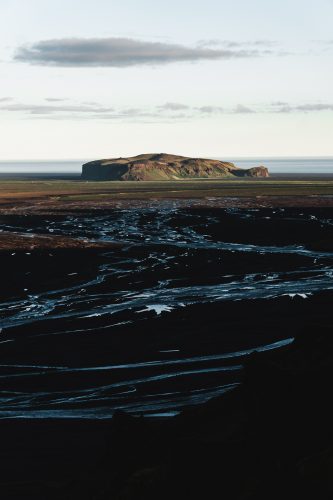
(159,167)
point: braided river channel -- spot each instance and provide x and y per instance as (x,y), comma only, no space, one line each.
(165,321)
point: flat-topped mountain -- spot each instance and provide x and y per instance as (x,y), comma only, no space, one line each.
(161,166)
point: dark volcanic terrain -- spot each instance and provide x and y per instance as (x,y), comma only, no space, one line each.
(201,326)
(163,319)
(157,167)
(219,318)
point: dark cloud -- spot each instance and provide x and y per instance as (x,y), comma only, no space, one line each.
(5,99)
(120,52)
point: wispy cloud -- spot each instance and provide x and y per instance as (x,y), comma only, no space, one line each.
(324,42)
(210,110)
(232,44)
(57,109)
(259,48)
(284,107)
(123,52)
(5,99)
(55,99)
(47,109)
(173,106)
(241,109)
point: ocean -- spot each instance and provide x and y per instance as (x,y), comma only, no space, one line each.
(278,165)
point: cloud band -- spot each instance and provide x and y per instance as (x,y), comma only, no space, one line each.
(120,52)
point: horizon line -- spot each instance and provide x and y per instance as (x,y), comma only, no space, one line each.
(40,160)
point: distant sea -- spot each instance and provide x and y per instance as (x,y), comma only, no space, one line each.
(283,165)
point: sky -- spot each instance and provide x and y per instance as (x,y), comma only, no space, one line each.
(104,78)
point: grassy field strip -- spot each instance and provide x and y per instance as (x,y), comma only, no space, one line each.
(77,190)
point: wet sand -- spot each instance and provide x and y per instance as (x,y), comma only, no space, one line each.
(268,437)
(163,320)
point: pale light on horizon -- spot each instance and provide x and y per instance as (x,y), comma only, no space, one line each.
(74,87)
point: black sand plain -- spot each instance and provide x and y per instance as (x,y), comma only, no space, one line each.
(246,278)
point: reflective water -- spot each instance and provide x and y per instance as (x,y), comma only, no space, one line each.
(165,322)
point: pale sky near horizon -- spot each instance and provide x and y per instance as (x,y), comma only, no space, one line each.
(92,79)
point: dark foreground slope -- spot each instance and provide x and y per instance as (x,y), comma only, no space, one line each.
(157,167)
(269,438)
(175,320)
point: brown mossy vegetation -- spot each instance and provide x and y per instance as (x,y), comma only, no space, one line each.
(161,166)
